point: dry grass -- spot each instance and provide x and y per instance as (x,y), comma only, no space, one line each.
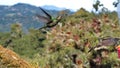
(10,59)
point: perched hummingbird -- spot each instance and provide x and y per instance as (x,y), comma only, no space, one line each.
(106,42)
(49,20)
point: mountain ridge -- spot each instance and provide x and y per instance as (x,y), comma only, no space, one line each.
(22,13)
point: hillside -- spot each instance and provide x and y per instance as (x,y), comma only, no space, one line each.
(80,40)
(24,14)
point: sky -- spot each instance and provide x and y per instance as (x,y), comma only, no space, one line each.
(69,4)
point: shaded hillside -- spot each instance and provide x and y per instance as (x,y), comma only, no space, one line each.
(21,13)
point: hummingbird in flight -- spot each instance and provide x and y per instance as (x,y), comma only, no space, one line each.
(110,41)
(49,20)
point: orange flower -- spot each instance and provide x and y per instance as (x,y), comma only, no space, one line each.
(118,47)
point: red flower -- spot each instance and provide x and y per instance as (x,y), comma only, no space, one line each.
(78,62)
(118,50)
(76,37)
(87,44)
(68,32)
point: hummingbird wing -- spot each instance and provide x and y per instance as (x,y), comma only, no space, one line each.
(43,19)
(42,27)
(93,48)
(48,15)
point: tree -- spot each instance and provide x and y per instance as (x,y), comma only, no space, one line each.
(97,5)
(116,3)
(16,30)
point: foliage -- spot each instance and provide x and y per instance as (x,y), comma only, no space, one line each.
(116,3)
(73,37)
(97,5)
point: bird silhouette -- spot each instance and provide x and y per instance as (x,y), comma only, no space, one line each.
(106,42)
(49,20)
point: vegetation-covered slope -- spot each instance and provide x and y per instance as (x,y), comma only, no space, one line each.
(67,44)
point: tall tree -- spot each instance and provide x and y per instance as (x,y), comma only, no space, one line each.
(16,30)
(97,4)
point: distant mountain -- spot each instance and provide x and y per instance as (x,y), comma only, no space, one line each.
(51,7)
(24,14)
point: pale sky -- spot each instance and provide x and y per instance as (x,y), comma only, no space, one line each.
(69,4)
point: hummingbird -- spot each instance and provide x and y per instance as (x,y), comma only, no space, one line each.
(49,20)
(106,42)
